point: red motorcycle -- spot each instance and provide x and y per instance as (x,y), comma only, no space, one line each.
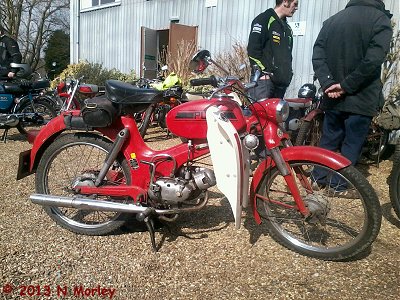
(91,179)
(67,93)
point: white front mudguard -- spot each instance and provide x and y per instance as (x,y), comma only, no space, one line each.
(230,161)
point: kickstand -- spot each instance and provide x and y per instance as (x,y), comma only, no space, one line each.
(150,227)
(4,136)
(146,217)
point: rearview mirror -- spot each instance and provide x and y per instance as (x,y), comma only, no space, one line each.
(200,61)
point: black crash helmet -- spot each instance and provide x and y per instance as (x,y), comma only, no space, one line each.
(307,90)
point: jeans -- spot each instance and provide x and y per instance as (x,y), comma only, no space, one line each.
(344,132)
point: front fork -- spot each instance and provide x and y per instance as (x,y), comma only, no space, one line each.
(288,175)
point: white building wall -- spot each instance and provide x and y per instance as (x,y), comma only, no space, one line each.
(111,36)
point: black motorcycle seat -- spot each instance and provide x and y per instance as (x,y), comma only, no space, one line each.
(12,88)
(124,93)
(41,84)
(22,87)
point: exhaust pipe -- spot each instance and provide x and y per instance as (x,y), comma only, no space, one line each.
(101,205)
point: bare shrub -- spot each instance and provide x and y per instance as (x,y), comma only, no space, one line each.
(233,61)
(179,62)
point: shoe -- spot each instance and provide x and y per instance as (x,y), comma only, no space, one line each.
(348,194)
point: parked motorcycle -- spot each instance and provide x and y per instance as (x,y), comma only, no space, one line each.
(23,102)
(298,108)
(171,88)
(310,125)
(389,119)
(71,93)
(377,145)
(91,179)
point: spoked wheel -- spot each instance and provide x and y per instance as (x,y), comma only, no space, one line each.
(337,228)
(394,182)
(310,132)
(76,159)
(45,111)
(144,119)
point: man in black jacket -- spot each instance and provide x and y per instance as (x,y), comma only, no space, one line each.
(347,59)
(270,47)
(9,53)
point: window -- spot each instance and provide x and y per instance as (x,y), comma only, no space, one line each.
(93,4)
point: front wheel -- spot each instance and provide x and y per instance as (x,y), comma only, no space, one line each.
(342,222)
(73,160)
(310,132)
(394,182)
(45,111)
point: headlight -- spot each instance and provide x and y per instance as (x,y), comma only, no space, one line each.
(282,111)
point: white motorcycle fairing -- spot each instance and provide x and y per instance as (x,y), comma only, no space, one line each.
(230,161)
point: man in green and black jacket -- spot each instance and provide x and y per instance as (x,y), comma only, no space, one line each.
(270,47)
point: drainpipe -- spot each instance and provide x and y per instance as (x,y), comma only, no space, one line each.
(75,31)
(78,34)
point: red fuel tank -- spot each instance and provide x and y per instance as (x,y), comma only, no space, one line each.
(188,120)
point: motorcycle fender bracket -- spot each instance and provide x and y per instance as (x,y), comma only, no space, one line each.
(24,165)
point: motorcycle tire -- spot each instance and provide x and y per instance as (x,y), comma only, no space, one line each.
(44,109)
(310,132)
(337,228)
(76,158)
(147,118)
(394,182)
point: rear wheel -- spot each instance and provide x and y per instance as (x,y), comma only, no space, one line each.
(45,111)
(76,159)
(146,120)
(394,182)
(337,228)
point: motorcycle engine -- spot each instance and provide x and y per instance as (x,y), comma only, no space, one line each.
(188,185)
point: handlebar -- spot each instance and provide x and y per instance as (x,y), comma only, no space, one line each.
(205,81)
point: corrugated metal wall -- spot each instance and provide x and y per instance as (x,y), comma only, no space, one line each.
(111,36)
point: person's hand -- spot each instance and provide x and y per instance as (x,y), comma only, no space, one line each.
(335,91)
(11,74)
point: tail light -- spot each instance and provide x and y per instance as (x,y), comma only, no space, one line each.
(89,90)
(84,89)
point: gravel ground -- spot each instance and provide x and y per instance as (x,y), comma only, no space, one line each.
(203,256)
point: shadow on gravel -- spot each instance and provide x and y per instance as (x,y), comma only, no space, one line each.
(14,137)
(193,225)
(387,213)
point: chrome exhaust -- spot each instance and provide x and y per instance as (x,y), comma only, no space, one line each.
(101,205)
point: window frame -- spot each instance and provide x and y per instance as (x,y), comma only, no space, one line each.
(101,6)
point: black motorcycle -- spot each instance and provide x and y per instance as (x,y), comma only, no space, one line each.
(23,102)
(377,145)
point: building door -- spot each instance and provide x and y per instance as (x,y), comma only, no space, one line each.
(154,41)
(179,33)
(149,53)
